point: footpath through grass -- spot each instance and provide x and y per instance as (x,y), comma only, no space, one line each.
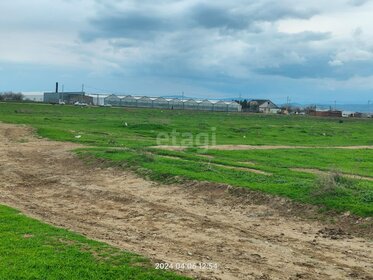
(123,136)
(30,249)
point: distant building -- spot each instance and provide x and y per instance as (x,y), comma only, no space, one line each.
(57,97)
(173,103)
(67,97)
(327,113)
(263,106)
(112,100)
(349,114)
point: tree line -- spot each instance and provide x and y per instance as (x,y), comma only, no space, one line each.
(11,96)
(246,106)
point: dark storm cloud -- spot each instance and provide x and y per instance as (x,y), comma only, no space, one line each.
(196,30)
(203,39)
(127,25)
(150,20)
(218,17)
(276,10)
(358,2)
(233,17)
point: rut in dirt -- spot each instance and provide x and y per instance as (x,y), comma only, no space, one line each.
(172,223)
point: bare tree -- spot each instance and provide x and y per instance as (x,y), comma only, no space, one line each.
(11,96)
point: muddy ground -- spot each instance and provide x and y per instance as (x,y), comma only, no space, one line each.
(172,223)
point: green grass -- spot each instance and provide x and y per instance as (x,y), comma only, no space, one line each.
(106,126)
(359,162)
(30,249)
(136,129)
(298,186)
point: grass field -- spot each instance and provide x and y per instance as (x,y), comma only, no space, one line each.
(106,126)
(30,249)
(125,137)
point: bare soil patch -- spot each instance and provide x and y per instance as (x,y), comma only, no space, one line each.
(244,169)
(174,223)
(207,156)
(247,169)
(247,162)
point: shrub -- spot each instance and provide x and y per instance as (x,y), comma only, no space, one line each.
(11,96)
(332,184)
(367,196)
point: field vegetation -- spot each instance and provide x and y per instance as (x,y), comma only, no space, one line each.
(125,137)
(33,250)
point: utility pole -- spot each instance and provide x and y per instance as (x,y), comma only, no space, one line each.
(82,93)
(335,105)
(182,99)
(63,89)
(369,106)
(287,103)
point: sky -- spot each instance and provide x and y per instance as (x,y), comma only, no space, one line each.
(312,51)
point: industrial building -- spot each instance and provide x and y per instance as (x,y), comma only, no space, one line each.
(57,97)
(325,113)
(172,103)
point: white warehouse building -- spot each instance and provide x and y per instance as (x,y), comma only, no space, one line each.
(172,103)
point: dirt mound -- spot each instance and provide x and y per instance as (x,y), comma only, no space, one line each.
(196,223)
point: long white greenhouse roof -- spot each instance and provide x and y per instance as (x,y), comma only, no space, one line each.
(212,101)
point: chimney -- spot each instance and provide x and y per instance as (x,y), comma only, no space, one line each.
(57,87)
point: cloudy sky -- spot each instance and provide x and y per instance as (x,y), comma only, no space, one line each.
(311,50)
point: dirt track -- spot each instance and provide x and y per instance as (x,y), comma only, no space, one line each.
(175,224)
(264,147)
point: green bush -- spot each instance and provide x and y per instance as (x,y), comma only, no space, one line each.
(367,196)
(331,184)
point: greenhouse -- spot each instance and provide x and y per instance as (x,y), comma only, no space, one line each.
(172,103)
(191,104)
(128,101)
(176,104)
(162,103)
(206,105)
(145,102)
(113,100)
(221,106)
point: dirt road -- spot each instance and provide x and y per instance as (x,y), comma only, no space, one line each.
(174,224)
(257,147)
